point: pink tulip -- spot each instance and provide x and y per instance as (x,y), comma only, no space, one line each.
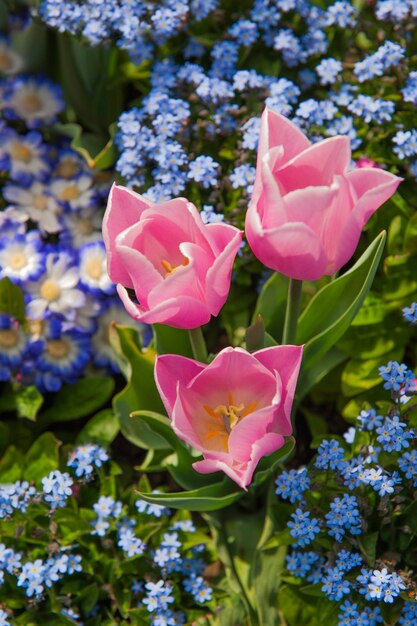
(234,410)
(307,209)
(178,267)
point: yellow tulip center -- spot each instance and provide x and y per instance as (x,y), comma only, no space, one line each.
(170,269)
(50,290)
(58,348)
(228,416)
(8,338)
(18,261)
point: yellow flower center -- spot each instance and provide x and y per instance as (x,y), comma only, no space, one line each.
(18,261)
(8,338)
(58,348)
(94,267)
(69,193)
(228,416)
(40,202)
(66,169)
(20,152)
(50,290)
(32,103)
(170,269)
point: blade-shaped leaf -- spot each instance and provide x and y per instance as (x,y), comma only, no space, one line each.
(271,304)
(210,498)
(12,300)
(331,311)
(140,392)
(172,340)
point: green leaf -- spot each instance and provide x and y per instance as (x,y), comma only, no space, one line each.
(12,300)
(172,340)
(140,392)
(367,544)
(11,465)
(360,375)
(210,498)
(7,398)
(28,402)
(271,304)
(318,370)
(255,335)
(101,429)
(86,74)
(331,311)
(42,457)
(98,150)
(79,400)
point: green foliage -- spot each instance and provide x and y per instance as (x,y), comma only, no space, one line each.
(140,392)
(12,300)
(78,400)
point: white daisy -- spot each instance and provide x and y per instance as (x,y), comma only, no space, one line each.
(25,154)
(35,203)
(56,290)
(10,61)
(20,257)
(77,193)
(35,101)
(93,267)
(84,226)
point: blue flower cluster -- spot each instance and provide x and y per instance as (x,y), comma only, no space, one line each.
(378,462)
(51,245)
(175,559)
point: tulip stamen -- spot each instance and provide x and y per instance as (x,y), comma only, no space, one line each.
(229,415)
(170,269)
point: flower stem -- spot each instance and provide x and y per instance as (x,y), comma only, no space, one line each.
(198,344)
(292,311)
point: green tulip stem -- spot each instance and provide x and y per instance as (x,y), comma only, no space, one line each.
(198,344)
(292,311)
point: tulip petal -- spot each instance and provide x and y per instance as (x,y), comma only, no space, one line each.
(287,361)
(218,276)
(242,473)
(142,275)
(235,370)
(277,130)
(317,165)
(170,369)
(208,466)
(292,249)
(310,205)
(124,208)
(373,187)
(180,312)
(249,430)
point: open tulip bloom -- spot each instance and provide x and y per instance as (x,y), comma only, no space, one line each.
(178,267)
(235,410)
(308,209)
